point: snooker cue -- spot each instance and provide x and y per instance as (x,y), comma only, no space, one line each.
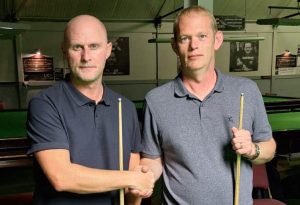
(121,148)
(238,159)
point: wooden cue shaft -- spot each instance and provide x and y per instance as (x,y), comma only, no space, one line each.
(121,148)
(238,160)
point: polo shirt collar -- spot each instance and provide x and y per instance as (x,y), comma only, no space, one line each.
(106,98)
(219,87)
(181,91)
(81,99)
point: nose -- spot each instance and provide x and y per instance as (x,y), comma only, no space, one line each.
(85,55)
(194,43)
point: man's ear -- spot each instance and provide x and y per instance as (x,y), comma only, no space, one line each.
(218,39)
(174,46)
(108,49)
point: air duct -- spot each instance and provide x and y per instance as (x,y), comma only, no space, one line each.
(279,22)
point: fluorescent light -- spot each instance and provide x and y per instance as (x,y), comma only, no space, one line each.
(244,38)
(228,38)
(8,28)
(3,27)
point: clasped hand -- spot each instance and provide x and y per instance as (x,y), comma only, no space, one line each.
(146,182)
(242,142)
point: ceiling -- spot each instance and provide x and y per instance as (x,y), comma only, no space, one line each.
(134,10)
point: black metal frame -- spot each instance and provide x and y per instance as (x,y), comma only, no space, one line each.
(287,7)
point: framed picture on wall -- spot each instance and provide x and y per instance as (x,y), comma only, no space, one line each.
(244,56)
(286,63)
(286,59)
(38,67)
(118,62)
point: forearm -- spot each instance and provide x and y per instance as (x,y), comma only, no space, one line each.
(267,151)
(130,198)
(70,177)
(155,165)
(83,180)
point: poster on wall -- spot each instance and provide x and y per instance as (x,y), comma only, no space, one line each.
(118,62)
(230,23)
(244,56)
(298,55)
(286,63)
(38,67)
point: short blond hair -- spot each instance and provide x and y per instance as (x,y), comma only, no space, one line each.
(196,9)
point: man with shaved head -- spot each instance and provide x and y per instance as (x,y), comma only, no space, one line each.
(73,129)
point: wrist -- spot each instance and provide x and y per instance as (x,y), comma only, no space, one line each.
(256,152)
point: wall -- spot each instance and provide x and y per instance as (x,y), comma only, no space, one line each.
(142,56)
(276,41)
(144,61)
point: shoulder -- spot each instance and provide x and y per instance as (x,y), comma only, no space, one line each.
(235,82)
(51,93)
(234,86)
(47,99)
(161,92)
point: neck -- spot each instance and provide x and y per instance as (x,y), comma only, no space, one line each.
(93,91)
(200,84)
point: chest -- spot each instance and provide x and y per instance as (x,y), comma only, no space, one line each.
(92,133)
(193,125)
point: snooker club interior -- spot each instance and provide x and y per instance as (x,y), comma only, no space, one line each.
(31,32)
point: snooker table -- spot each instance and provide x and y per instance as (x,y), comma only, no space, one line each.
(13,141)
(277,103)
(16,168)
(284,170)
(283,114)
(284,117)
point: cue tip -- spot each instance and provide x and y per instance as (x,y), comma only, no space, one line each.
(242,94)
(119,99)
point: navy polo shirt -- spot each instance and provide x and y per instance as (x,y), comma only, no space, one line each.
(60,117)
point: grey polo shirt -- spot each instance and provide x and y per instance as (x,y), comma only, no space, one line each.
(60,117)
(193,138)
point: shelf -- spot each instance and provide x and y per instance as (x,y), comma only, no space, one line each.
(39,83)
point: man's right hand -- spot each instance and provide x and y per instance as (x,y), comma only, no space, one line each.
(144,182)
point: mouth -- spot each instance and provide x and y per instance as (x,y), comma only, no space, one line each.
(194,56)
(86,66)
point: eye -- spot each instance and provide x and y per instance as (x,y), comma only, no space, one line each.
(184,39)
(202,36)
(76,47)
(94,46)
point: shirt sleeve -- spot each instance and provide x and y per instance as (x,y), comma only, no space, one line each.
(136,145)
(150,138)
(261,126)
(44,126)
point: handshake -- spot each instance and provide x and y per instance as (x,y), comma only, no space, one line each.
(142,182)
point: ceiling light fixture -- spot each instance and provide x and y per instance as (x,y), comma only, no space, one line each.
(7,28)
(284,21)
